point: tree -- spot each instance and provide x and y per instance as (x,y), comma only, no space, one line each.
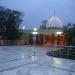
(10,21)
(70,34)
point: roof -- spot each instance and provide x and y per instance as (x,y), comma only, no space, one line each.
(44,31)
(54,21)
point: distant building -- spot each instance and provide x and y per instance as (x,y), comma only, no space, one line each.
(50,33)
(43,26)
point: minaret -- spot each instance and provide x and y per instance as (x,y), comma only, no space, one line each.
(54,13)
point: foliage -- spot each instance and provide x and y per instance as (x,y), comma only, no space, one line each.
(10,21)
(70,34)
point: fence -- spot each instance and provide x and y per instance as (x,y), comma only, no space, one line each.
(63,52)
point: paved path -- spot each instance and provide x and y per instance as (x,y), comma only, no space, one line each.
(27,60)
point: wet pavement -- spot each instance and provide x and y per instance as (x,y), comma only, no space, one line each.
(29,60)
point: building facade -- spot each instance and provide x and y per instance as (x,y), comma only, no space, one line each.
(50,33)
(52,37)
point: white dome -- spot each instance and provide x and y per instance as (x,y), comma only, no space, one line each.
(54,21)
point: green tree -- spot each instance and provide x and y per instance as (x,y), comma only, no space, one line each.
(10,21)
(70,34)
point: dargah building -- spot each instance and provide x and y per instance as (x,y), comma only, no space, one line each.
(50,33)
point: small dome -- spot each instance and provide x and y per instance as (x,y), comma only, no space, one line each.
(54,21)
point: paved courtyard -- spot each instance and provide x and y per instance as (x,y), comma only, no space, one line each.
(28,60)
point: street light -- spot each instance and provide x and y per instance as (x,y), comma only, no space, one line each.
(35,29)
(34,35)
(34,40)
(23,27)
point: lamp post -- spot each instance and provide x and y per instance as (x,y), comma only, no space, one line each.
(34,41)
(34,36)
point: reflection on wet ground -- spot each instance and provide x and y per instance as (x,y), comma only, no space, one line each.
(28,60)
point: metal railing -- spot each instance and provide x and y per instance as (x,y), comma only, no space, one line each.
(62,51)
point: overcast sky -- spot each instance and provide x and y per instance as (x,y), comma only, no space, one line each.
(38,10)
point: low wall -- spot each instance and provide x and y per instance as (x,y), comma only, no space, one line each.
(12,42)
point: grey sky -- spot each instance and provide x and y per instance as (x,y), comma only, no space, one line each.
(38,10)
